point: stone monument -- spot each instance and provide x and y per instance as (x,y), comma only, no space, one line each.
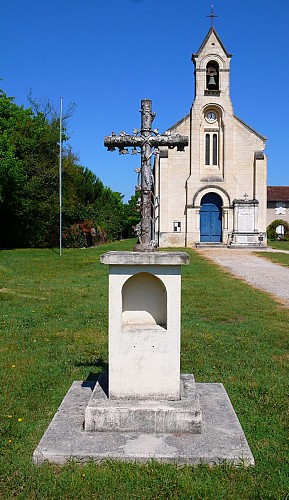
(144,408)
(245,232)
(145,391)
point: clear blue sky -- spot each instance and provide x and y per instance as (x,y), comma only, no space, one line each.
(107,55)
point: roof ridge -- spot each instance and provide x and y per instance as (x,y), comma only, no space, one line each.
(250,128)
(211,30)
(179,122)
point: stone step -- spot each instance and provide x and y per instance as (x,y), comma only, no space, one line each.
(211,245)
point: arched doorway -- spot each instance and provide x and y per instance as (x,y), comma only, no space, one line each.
(211,218)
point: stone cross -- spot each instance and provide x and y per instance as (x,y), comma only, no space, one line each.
(148,141)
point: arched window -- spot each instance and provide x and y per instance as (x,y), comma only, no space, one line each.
(215,149)
(208,149)
(211,148)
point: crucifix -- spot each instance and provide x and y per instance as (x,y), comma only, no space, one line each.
(148,141)
(212,16)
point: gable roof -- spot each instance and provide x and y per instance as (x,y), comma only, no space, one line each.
(175,125)
(211,30)
(278,193)
(250,128)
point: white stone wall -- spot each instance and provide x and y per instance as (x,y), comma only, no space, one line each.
(173,174)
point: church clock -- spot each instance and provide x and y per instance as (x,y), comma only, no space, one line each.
(211,116)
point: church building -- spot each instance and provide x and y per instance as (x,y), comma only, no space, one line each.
(216,191)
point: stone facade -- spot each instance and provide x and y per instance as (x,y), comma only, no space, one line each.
(215,191)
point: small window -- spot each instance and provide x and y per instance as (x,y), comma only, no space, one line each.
(280,208)
(177,227)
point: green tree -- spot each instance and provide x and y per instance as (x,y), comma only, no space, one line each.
(132,210)
(110,216)
(29,191)
(271,229)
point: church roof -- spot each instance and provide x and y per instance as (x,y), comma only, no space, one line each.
(179,122)
(278,193)
(211,30)
(175,125)
(251,129)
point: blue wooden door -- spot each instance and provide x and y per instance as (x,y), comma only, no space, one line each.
(211,218)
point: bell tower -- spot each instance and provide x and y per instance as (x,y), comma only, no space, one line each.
(211,114)
(212,71)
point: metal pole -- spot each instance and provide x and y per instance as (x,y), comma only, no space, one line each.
(60,179)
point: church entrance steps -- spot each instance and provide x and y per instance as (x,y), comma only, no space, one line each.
(211,245)
(256,247)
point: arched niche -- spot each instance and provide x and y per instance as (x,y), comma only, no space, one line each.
(144,301)
(212,75)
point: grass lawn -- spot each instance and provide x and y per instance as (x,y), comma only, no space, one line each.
(279,245)
(54,331)
(277,258)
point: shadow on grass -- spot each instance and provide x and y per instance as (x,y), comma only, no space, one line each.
(55,250)
(98,363)
(101,378)
(92,377)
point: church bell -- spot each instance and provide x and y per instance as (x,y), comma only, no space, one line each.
(212,81)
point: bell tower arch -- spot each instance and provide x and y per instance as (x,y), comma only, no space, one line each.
(212,69)
(212,76)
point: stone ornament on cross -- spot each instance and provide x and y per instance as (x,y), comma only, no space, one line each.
(148,141)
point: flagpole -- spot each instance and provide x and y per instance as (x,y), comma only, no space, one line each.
(60,179)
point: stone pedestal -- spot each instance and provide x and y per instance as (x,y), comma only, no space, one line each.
(144,324)
(144,391)
(221,440)
(138,415)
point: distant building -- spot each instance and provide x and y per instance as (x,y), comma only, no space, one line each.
(277,203)
(215,191)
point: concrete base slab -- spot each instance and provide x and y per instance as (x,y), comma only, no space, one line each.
(130,415)
(222,438)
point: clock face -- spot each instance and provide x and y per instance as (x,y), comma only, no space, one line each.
(211,116)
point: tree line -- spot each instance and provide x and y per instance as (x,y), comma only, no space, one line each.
(29,185)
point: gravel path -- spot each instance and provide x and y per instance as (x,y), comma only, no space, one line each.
(259,272)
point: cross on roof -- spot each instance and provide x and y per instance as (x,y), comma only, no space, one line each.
(212,16)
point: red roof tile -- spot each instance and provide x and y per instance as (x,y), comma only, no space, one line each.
(278,193)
